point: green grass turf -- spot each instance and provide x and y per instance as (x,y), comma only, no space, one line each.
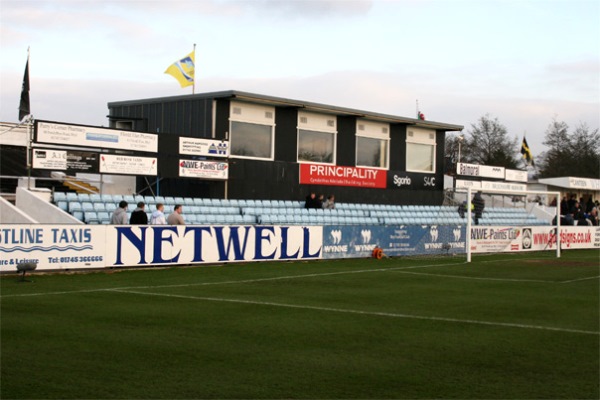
(504,326)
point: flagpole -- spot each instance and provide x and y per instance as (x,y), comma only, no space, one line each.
(194,81)
(29,124)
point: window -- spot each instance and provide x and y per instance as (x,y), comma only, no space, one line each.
(316,138)
(372,144)
(420,150)
(251,130)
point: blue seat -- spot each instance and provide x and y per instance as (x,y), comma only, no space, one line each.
(91,217)
(59,196)
(63,205)
(129,198)
(83,197)
(104,217)
(96,198)
(99,207)
(87,206)
(72,196)
(74,206)
(78,215)
(249,219)
(110,207)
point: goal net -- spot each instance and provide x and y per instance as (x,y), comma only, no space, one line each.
(499,221)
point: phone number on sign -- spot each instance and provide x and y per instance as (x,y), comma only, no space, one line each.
(82,259)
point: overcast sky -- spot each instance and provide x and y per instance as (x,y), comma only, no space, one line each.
(524,62)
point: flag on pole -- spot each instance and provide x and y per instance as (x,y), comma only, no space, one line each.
(183,70)
(527,152)
(24,108)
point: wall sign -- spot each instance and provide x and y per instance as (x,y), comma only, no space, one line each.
(337,175)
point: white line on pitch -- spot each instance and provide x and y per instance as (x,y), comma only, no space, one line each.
(581,279)
(369,313)
(232,282)
(475,277)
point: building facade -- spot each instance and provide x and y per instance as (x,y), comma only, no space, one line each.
(283,149)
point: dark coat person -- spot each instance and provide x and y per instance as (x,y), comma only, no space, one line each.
(139,216)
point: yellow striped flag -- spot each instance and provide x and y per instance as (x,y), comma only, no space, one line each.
(527,152)
(183,70)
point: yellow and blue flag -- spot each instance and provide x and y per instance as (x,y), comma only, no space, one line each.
(183,70)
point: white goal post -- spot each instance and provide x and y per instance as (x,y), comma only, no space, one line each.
(526,219)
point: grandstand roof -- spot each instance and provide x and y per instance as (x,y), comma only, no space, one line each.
(571,182)
(305,105)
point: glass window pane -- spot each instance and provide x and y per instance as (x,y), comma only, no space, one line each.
(315,146)
(419,157)
(371,152)
(251,140)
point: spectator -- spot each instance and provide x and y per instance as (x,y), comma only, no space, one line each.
(119,216)
(479,205)
(578,214)
(564,206)
(158,217)
(319,202)
(311,200)
(175,217)
(329,204)
(590,205)
(571,202)
(139,216)
(593,217)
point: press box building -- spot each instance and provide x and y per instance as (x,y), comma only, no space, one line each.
(282,149)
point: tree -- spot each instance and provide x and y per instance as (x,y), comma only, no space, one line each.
(452,152)
(488,143)
(570,155)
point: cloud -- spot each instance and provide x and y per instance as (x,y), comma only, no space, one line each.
(296,9)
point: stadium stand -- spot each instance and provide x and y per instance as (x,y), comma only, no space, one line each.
(97,209)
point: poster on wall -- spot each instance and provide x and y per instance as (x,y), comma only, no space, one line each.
(197,244)
(82,161)
(128,165)
(203,147)
(89,136)
(493,239)
(49,159)
(346,241)
(335,175)
(411,181)
(203,169)
(64,160)
(52,247)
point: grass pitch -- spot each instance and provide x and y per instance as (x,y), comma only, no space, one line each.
(504,326)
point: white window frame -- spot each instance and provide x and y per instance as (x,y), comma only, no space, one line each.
(424,137)
(320,123)
(252,114)
(373,130)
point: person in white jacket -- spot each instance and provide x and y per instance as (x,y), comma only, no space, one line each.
(158,216)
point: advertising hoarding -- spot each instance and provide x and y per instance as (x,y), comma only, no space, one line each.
(88,136)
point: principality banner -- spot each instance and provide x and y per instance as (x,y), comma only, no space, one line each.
(336,175)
